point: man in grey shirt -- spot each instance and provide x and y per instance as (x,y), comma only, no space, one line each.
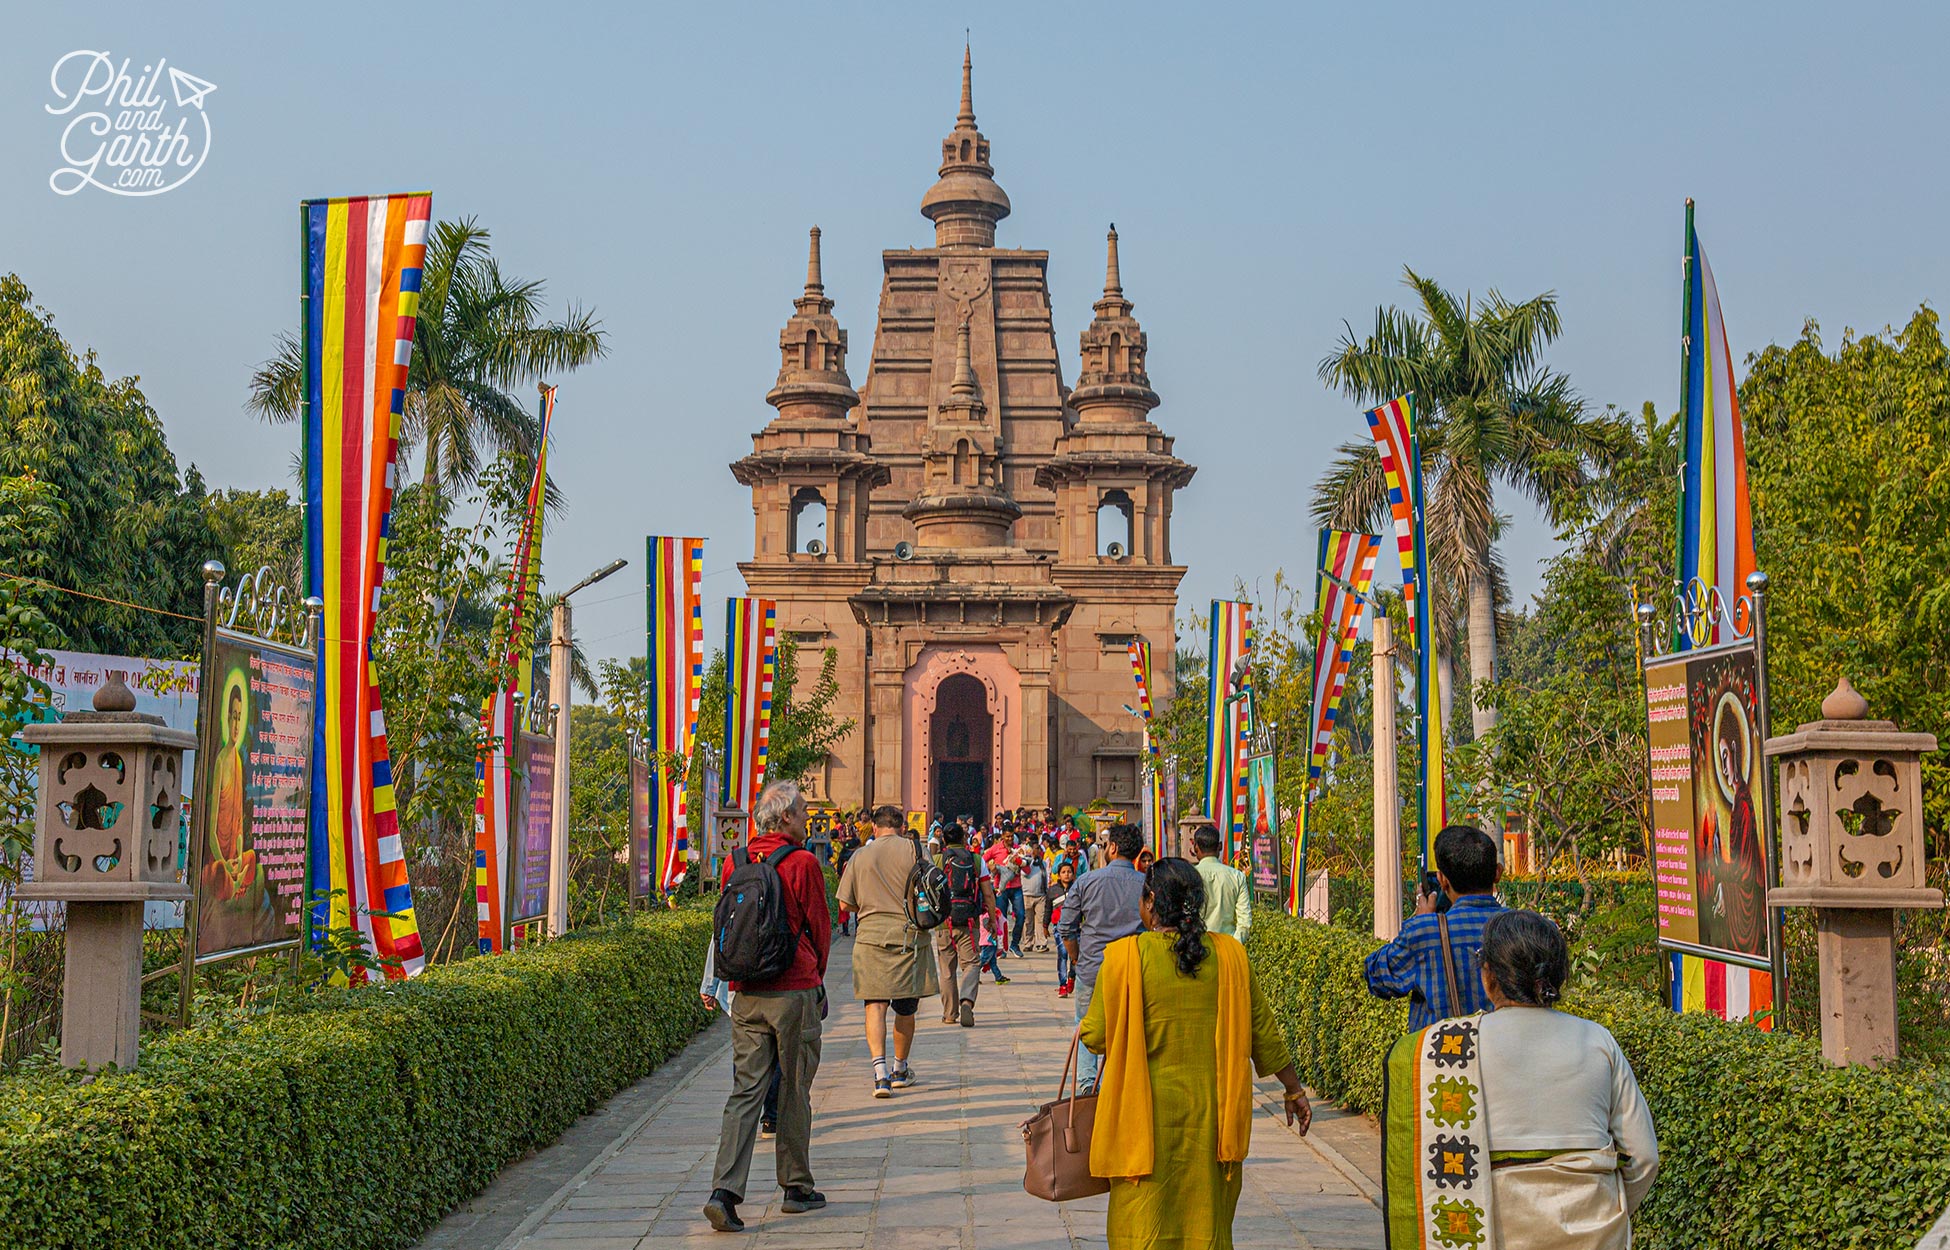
(1100,908)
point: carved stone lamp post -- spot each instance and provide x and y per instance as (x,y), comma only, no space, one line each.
(105,839)
(728,837)
(1852,849)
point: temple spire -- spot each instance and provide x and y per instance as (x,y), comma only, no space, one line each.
(964,385)
(965,203)
(814,301)
(1112,385)
(967,115)
(812,353)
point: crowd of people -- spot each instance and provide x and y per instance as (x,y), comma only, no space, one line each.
(1172,1023)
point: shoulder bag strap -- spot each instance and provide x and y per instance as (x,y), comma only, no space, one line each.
(1448,962)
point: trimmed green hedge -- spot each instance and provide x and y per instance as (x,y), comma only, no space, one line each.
(358,1120)
(1762,1143)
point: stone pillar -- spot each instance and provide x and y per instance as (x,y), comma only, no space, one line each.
(1852,849)
(1387,795)
(1035,740)
(888,747)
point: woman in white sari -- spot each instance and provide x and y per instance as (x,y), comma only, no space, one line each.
(1547,1099)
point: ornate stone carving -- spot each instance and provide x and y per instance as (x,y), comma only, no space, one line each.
(110,807)
(1851,810)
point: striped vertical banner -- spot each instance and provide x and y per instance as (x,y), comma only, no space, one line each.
(499,715)
(1393,426)
(1154,797)
(1342,579)
(675,672)
(1716,552)
(751,648)
(362,260)
(1230,640)
(1728,991)
(1716,529)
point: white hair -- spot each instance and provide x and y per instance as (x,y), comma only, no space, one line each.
(773,803)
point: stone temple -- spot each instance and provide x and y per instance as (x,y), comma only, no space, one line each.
(977,541)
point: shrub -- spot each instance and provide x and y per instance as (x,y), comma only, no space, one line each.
(1762,1144)
(358,1119)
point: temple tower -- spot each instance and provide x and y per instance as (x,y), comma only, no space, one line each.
(811,475)
(981,625)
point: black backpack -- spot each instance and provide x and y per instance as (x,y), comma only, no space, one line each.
(964,884)
(753,937)
(927,891)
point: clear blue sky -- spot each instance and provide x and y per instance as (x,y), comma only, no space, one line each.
(1270,169)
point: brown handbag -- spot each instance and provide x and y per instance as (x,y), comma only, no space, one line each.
(1057,1141)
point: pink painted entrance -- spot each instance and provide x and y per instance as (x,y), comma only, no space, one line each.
(962,732)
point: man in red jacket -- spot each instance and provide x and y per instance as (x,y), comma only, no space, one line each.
(777,1022)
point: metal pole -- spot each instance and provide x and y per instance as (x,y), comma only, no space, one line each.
(558,831)
(1387,797)
(205,723)
(1776,917)
(315,611)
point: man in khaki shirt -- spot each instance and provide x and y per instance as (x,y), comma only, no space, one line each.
(893,962)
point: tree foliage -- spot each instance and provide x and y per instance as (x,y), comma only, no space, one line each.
(1490,412)
(91,500)
(480,334)
(1848,462)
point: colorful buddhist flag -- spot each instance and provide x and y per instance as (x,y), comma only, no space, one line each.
(1154,797)
(1343,578)
(751,648)
(501,712)
(675,669)
(362,262)
(1729,991)
(1716,554)
(1393,427)
(1716,530)
(1228,654)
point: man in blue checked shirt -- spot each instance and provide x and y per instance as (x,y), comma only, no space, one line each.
(1411,966)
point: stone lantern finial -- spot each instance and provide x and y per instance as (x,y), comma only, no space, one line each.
(1844,703)
(1113,281)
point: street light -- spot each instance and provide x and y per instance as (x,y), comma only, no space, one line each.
(595,577)
(560,633)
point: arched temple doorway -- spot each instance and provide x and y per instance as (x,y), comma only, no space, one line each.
(959,735)
(961,729)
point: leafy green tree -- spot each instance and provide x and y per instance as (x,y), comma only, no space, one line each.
(1491,412)
(480,335)
(24,631)
(805,725)
(91,500)
(259,529)
(1848,463)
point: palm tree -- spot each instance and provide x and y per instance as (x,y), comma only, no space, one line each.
(1489,412)
(480,335)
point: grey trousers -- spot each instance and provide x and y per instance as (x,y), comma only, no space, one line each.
(959,964)
(779,1027)
(1035,930)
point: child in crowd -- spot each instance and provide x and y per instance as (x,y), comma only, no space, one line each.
(1059,888)
(988,927)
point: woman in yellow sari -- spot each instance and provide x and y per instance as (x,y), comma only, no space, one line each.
(1178,1019)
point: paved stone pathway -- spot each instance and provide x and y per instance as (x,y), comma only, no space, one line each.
(938,1167)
